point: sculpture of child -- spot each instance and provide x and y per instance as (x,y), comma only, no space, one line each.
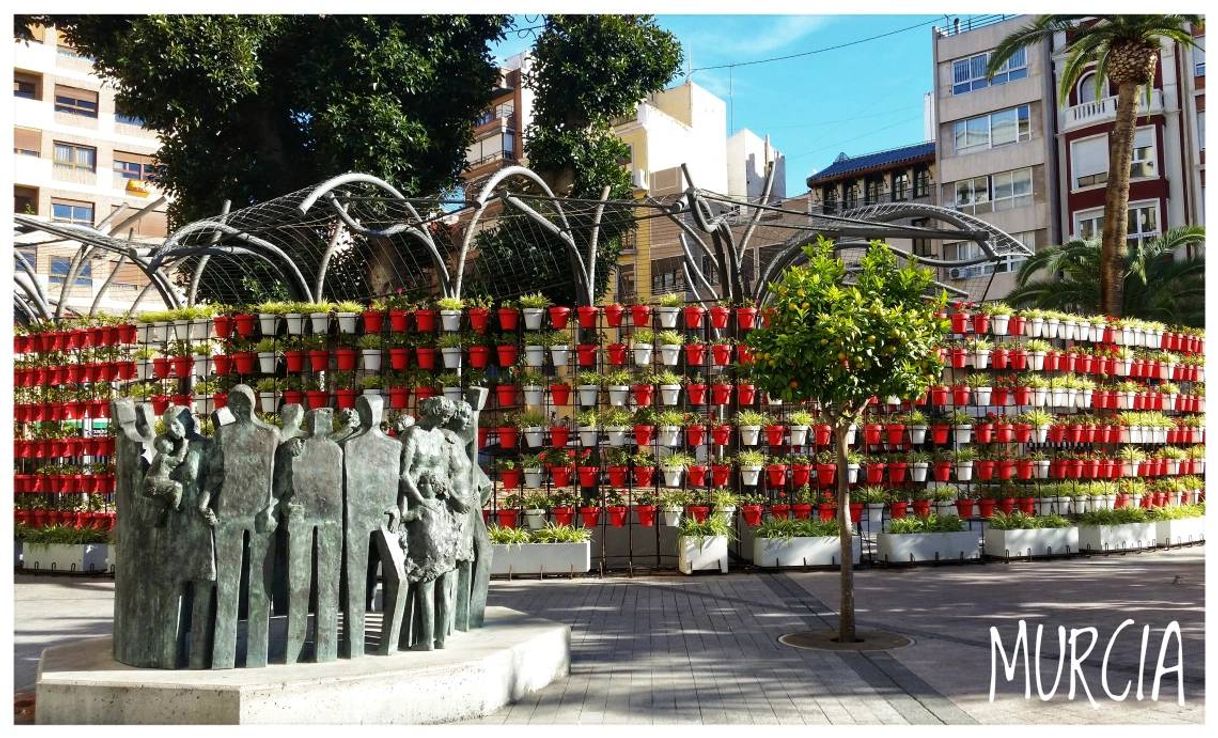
(157,482)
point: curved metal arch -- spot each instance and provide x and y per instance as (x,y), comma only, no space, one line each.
(234,251)
(888,212)
(179,251)
(30,288)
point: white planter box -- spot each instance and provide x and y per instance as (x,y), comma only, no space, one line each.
(541,558)
(1032,542)
(818,551)
(1178,532)
(1129,536)
(65,557)
(694,554)
(906,547)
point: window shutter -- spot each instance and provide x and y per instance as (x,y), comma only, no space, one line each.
(1088,158)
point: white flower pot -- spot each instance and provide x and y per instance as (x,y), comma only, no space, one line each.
(266,401)
(671,516)
(642,354)
(749,434)
(588,436)
(617,435)
(749,475)
(672,477)
(981,359)
(534,394)
(450,320)
(917,434)
(670,354)
(618,394)
(998,324)
(1035,327)
(295,323)
(917,471)
(1036,360)
(346,322)
(372,359)
(143,370)
(963,433)
(535,519)
(670,435)
(670,394)
(452,357)
(534,436)
(1040,396)
(533,318)
(1045,505)
(320,321)
(560,354)
(668,316)
(535,356)
(588,394)
(851,435)
(1061,398)
(532,478)
(964,471)
(1040,433)
(452,393)
(852,473)
(798,435)
(266,362)
(981,395)
(1052,326)
(201,365)
(1082,399)
(1123,366)
(709,552)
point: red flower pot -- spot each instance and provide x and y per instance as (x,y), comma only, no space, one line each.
(589,516)
(718,316)
(563,515)
(721,354)
(693,315)
(561,475)
(695,435)
(981,323)
(1006,505)
(509,318)
(746,318)
(871,433)
(290,397)
(617,515)
(507,436)
(293,361)
(506,518)
(942,470)
(646,515)
(510,478)
(640,315)
(774,435)
(698,512)
(373,320)
(643,434)
(825,474)
(586,315)
(983,432)
(479,318)
(398,320)
(959,322)
(505,394)
(559,317)
(244,323)
(399,358)
(613,315)
(695,354)
(875,473)
(316,399)
(985,469)
(1003,432)
(319,360)
(964,508)
(898,510)
(921,508)
(585,354)
(696,475)
(617,475)
(938,395)
(751,514)
(589,475)
(345,358)
(822,434)
(506,354)
(776,475)
(743,354)
(746,393)
(801,474)
(425,320)
(616,353)
(827,511)
(643,393)
(644,476)
(559,435)
(425,356)
(344,399)
(802,510)
(721,393)
(780,510)
(720,473)
(479,356)
(896,471)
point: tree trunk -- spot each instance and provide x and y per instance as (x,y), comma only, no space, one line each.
(845,618)
(1114,248)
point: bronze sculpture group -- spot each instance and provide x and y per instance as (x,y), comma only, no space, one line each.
(261,520)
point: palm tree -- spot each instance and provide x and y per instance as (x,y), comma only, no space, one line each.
(1156,285)
(1124,49)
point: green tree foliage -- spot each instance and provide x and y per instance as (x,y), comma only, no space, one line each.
(249,107)
(840,338)
(1157,284)
(588,70)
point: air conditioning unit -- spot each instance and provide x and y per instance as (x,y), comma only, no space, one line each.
(638,179)
(957,272)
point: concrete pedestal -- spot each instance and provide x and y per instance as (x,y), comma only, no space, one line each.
(477,673)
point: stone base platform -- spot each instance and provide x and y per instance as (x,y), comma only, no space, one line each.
(477,673)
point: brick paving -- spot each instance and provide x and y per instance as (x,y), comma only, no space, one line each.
(704,649)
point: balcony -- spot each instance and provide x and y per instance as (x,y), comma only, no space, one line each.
(1104,111)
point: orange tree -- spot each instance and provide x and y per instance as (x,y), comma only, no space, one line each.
(839,338)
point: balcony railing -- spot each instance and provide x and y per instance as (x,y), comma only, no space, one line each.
(1104,110)
(970,23)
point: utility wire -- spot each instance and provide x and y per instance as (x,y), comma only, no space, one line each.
(817,51)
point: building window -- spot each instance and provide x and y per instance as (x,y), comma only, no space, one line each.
(871,191)
(709,271)
(133,166)
(75,101)
(1086,88)
(61,265)
(850,196)
(668,275)
(625,282)
(72,211)
(900,186)
(1143,223)
(1089,226)
(25,200)
(828,199)
(1089,161)
(969,251)
(1143,164)
(973,195)
(27,142)
(921,185)
(1010,190)
(1199,57)
(26,85)
(126,118)
(969,74)
(77,157)
(922,246)
(995,129)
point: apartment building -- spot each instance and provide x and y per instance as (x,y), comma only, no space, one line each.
(499,130)
(77,159)
(1167,174)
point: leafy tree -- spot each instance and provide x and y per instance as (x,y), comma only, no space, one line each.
(249,107)
(842,338)
(588,70)
(1124,50)
(1156,284)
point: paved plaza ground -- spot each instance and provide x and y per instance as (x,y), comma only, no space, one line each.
(704,649)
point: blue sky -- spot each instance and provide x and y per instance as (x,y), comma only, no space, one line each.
(857,99)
